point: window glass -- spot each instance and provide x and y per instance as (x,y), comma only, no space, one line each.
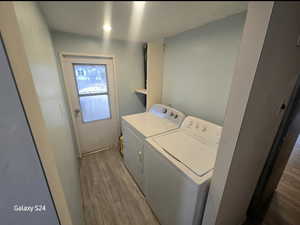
(94,107)
(90,79)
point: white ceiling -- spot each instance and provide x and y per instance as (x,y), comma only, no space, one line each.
(135,21)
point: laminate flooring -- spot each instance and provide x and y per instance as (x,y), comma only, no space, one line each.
(285,205)
(284,208)
(110,196)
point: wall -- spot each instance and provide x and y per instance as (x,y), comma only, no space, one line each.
(18,154)
(265,75)
(199,65)
(42,62)
(15,50)
(128,61)
(155,62)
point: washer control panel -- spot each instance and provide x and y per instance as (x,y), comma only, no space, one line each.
(208,131)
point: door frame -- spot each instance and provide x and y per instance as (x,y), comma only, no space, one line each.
(277,160)
(94,56)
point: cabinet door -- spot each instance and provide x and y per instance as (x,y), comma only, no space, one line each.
(133,155)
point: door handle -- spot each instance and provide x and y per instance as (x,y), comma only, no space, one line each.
(77,111)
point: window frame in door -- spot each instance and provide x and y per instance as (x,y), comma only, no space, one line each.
(93,94)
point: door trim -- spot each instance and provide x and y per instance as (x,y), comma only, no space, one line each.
(62,55)
(277,160)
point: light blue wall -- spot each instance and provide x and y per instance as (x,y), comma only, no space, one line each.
(42,62)
(199,65)
(128,61)
(22,179)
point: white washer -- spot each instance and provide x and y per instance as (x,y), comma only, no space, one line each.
(178,166)
(137,127)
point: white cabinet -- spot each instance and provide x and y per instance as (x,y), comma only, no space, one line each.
(134,155)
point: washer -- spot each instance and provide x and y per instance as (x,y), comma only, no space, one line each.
(178,169)
(137,127)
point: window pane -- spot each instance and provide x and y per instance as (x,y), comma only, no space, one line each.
(90,79)
(94,107)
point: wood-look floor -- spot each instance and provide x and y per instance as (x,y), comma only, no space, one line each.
(285,205)
(110,196)
(284,208)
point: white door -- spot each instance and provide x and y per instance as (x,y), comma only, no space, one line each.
(91,91)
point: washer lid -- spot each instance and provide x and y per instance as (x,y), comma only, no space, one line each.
(149,124)
(195,155)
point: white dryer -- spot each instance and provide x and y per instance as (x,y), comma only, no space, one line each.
(137,127)
(178,166)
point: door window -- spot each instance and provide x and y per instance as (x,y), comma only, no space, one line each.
(92,90)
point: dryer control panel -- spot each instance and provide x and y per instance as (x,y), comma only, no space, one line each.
(168,113)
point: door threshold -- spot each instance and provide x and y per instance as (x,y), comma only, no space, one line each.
(94,152)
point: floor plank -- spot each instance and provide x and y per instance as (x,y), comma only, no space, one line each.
(110,196)
(285,205)
(284,208)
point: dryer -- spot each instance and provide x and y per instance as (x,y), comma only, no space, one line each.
(178,168)
(137,127)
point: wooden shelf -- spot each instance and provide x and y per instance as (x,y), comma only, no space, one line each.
(141,91)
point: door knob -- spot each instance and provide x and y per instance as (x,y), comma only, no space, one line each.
(140,155)
(77,111)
